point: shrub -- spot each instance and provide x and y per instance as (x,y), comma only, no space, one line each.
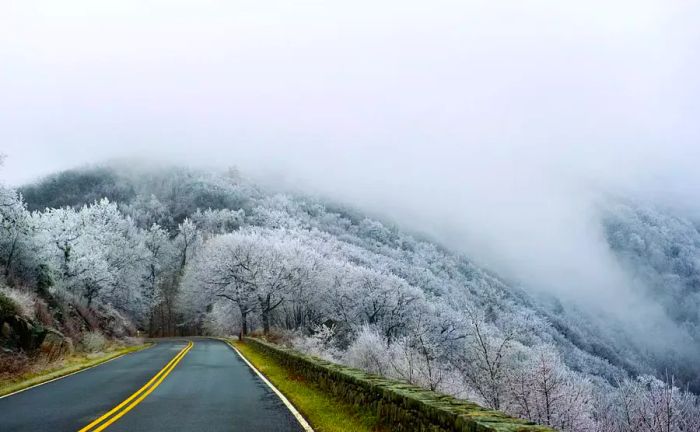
(133,341)
(276,335)
(23,301)
(369,352)
(8,307)
(13,363)
(87,315)
(93,342)
(319,344)
(43,313)
(113,323)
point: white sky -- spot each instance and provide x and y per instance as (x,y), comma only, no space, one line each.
(491,124)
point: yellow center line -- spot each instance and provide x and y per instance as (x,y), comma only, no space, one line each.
(156,380)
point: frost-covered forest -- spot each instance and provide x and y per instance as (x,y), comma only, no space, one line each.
(178,251)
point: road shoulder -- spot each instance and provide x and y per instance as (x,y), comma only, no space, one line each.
(322,411)
(73,366)
(300,418)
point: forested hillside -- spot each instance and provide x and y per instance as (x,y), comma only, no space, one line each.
(663,251)
(178,251)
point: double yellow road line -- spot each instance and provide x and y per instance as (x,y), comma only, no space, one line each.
(129,403)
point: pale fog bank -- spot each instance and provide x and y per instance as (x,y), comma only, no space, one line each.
(502,129)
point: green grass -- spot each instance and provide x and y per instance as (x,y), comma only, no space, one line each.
(324,412)
(63,367)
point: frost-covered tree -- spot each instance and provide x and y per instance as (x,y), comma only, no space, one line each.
(259,266)
(96,252)
(222,221)
(227,269)
(645,404)
(368,351)
(544,390)
(60,230)
(187,240)
(161,266)
(185,246)
(15,228)
(486,358)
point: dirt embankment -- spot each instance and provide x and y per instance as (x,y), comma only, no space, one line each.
(43,329)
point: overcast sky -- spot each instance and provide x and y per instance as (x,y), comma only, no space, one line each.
(493,125)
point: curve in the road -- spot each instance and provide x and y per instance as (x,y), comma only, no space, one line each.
(128,404)
(211,389)
(69,403)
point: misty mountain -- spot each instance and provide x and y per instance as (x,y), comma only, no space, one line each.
(168,196)
(75,188)
(357,284)
(662,253)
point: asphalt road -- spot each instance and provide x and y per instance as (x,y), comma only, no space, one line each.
(209,389)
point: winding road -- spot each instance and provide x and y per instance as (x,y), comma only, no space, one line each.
(176,385)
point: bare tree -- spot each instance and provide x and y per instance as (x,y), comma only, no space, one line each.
(483,364)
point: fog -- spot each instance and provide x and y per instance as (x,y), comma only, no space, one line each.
(498,127)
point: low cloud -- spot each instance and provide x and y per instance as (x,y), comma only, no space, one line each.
(497,127)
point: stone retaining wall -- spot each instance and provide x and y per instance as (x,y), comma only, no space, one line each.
(402,406)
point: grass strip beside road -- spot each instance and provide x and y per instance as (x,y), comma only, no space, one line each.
(324,412)
(71,365)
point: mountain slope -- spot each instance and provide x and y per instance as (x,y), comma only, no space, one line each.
(169,196)
(219,253)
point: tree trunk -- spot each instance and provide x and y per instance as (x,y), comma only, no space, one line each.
(161,330)
(8,264)
(152,323)
(266,321)
(66,258)
(89,293)
(169,309)
(244,322)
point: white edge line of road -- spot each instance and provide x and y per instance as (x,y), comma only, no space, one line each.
(302,421)
(63,376)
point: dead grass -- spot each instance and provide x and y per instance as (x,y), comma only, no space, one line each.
(28,373)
